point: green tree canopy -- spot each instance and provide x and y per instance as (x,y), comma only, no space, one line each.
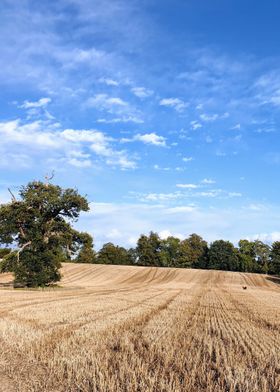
(113,254)
(275,258)
(169,251)
(148,250)
(86,253)
(223,256)
(38,224)
(262,252)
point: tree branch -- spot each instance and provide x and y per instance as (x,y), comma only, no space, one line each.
(22,248)
(14,200)
(13,196)
(49,178)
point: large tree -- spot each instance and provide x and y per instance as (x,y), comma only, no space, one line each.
(262,252)
(113,254)
(148,250)
(193,252)
(223,256)
(38,225)
(169,251)
(86,253)
(247,256)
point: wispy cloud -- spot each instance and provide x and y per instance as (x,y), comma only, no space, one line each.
(176,103)
(187,159)
(105,102)
(147,138)
(195,125)
(208,181)
(109,82)
(213,117)
(129,119)
(187,186)
(42,102)
(41,136)
(141,92)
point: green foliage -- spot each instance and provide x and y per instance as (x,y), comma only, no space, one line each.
(247,256)
(4,252)
(39,224)
(275,258)
(86,253)
(112,254)
(223,256)
(262,253)
(169,251)
(193,252)
(148,250)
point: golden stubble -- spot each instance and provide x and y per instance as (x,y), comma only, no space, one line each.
(118,328)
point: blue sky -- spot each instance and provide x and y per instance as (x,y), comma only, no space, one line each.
(164,113)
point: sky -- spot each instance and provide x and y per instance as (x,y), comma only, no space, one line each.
(164,113)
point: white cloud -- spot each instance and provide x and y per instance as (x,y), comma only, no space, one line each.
(141,92)
(207,117)
(42,102)
(148,138)
(211,223)
(105,102)
(164,234)
(175,103)
(187,186)
(187,159)
(108,82)
(195,125)
(80,162)
(266,237)
(255,207)
(159,197)
(133,119)
(157,167)
(114,234)
(213,117)
(116,106)
(234,194)
(151,138)
(237,127)
(48,137)
(208,181)
(91,136)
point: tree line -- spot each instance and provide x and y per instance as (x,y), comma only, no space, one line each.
(36,236)
(195,252)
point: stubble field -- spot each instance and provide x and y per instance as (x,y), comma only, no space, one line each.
(118,329)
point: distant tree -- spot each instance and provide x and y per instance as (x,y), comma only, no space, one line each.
(86,253)
(223,256)
(169,251)
(113,254)
(247,256)
(262,253)
(148,250)
(184,259)
(193,252)
(199,251)
(275,258)
(132,256)
(39,225)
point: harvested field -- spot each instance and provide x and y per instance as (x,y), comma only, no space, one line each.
(118,328)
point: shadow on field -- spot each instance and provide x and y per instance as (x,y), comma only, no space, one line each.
(7,284)
(274,279)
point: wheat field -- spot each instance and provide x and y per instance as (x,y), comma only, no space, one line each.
(122,328)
